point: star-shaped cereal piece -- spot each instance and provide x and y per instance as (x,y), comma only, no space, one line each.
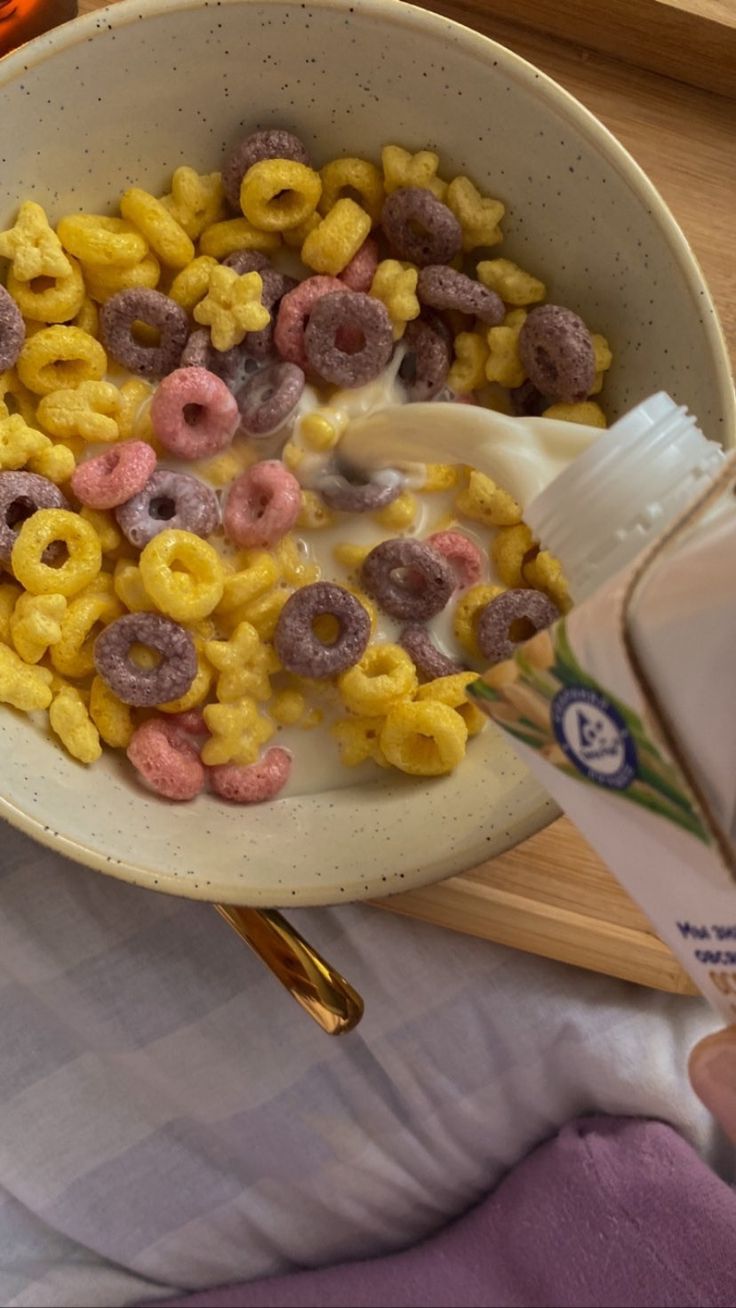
(26,688)
(243,664)
(35,624)
(196,200)
(33,246)
(395,284)
(400,168)
(232,306)
(478,215)
(237,732)
(19,442)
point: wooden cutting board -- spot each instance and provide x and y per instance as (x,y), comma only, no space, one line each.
(661,74)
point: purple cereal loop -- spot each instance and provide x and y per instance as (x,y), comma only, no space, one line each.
(231,366)
(293,316)
(297,646)
(339,492)
(275,285)
(12,330)
(273,143)
(245,261)
(21,494)
(269,397)
(495,620)
(556,351)
(445,288)
(420,228)
(428,660)
(426,364)
(358,312)
(145,687)
(169,501)
(140,304)
(424,584)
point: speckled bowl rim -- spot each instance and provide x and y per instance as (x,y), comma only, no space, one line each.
(400,14)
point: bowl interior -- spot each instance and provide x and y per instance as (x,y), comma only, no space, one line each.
(123,98)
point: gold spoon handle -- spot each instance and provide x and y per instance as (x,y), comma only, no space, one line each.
(328,998)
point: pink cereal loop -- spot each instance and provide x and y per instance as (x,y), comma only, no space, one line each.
(358,274)
(191,722)
(213,416)
(111,478)
(293,315)
(262,505)
(466,558)
(166,761)
(255,783)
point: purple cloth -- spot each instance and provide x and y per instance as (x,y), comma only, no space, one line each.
(609,1212)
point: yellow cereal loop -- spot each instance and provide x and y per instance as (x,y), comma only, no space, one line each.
(113,719)
(19,443)
(164,234)
(423,738)
(296,236)
(603,360)
(357,177)
(508,553)
(102,282)
(36,625)
(193,282)
(351,556)
(289,709)
(183,575)
(132,396)
(483,501)
(9,594)
(468,372)
(105,528)
(98,240)
(258,575)
(318,432)
(510,281)
(295,567)
(70,720)
(233,234)
(238,732)
(383,675)
(439,477)
(91,411)
(224,468)
(503,364)
(22,686)
(58,302)
(544,572)
(55,462)
(32,246)
(232,306)
(587,412)
(359,740)
(467,612)
(278,194)
(243,665)
(59,358)
(199,689)
(399,514)
(87,318)
(334,242)
(15,398)
(292,456)
(196,201)
(42,529)
(314,513)
(83,620)
(129,588)
(453,691)
(478,215)
(400,168)
(395,284)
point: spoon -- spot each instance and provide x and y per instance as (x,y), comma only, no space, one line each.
(328,998)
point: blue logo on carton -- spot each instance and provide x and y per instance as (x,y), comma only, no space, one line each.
(594,736)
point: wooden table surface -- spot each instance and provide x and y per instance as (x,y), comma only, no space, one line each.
(552,895)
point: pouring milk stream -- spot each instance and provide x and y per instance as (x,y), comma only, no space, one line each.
(624,708)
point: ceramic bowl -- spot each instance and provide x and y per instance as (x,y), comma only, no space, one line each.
(126,95)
